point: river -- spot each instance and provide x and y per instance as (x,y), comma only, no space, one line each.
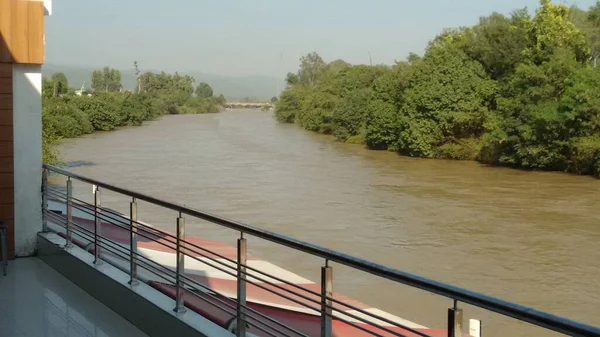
(528,237)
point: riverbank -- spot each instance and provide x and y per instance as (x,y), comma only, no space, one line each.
(517,101)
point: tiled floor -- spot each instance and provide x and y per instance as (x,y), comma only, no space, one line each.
(36,301)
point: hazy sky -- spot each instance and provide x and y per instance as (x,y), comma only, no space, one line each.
(252,37)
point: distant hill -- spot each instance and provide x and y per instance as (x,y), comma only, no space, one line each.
(234,88)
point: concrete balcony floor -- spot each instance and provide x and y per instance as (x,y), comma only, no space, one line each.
(37,301)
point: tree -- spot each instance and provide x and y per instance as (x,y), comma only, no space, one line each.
(137,75)
(107,79)
(292,79)
(497,42)
(350,114)
(532,130)
(274,99)
(289,104)
(337,66)
(203,90)
(312,67)
(448,99)
(382,126)
(221,99)
(60,85)
(550,30)
(413,58)
(589,24)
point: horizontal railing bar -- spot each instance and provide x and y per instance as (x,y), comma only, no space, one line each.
(316,301)
(121,218)
(517,311)
(192,283)
(333,300)
(120,252)
(100,216)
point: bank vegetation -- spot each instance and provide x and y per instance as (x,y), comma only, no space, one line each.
(69,113)
(518,90)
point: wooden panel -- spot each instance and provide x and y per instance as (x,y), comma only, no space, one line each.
(18,45)
(6,117)
(6,149)
(5,70)
(6,133)
(35,32)
(5,85)
(7,196)
(5,30)
(22,31)
(7,165)
(7,211)
(6,101)
(6,180)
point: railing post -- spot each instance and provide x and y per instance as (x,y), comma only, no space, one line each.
(326,303)
(179,304)
(242,254)
(455,321)
(69,227)
(44,200)
(133,243)
(97,226)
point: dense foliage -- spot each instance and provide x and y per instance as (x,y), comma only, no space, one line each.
(516,90)
(68,113)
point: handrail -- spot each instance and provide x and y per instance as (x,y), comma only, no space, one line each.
(517,311)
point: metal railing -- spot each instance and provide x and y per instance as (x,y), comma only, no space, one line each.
(243,317)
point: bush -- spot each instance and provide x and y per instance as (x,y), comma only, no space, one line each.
(103,120)
(64,119)
(289,105)
(585,155)
(350,114)
(461,149)
(381,126)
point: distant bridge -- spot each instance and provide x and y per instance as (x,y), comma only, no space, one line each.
(240,105)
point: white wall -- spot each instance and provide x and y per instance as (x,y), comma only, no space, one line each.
(27,124)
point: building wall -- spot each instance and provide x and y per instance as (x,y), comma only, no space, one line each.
(21,56)
(27,145)
(6,154)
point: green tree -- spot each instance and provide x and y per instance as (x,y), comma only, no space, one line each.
(550,30)
(312,67)
(107,79)
(274,99)
(289,104)
(532,131)
(498,42)
(350,114)
(203,90)
(448,99)
(292,79)
(382,126)
(221,99)
(60,85)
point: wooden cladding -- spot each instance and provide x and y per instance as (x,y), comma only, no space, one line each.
(7,194)
(21,31)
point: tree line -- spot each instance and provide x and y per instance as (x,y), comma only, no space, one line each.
(68,112)
(518,90)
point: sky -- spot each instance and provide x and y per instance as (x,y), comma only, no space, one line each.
(253,37)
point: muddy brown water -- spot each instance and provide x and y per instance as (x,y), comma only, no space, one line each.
(528,237)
